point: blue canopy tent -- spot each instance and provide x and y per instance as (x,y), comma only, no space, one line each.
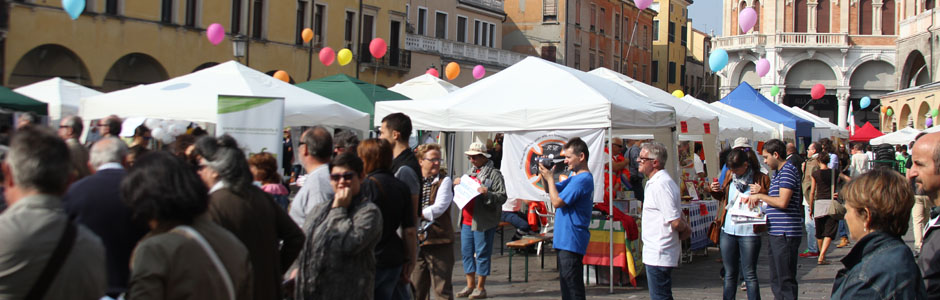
(745,98)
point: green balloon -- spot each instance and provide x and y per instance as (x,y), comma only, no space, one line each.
(933,112)
(774,90)
(890,112)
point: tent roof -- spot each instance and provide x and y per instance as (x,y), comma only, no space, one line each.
(694,118)
(900,137)
(424,87)
(63,96)
(841,132)
(779,131)
(194,97)
(535,94)
(732,126)
(865,133)
(19,102)
(747,99)
(350,91)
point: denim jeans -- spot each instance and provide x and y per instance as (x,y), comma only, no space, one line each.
(476,247)
(783,259)
(515,218)
(571,275)
(659,281)
(843,230)
(810,223)
(739,256)
(386,282)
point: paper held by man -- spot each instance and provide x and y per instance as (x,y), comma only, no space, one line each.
(466,190)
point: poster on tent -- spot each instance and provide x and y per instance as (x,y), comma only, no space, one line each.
(255,122)
(522,150)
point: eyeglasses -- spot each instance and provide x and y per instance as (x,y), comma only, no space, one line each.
(345,176)
(645,159)
(200,167)
(434,160)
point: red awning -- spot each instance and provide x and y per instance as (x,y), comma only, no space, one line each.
(865,133)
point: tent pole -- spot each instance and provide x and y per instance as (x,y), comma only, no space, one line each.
(610,209)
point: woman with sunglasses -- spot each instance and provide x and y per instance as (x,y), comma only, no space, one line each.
(338,260)
(740,244)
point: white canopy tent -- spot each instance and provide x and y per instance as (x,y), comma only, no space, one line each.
(732,126)
(695,119)
(932,129)
(823,128)
(780,131)
(194,97)
(63,96)
(901,137)
(424,87)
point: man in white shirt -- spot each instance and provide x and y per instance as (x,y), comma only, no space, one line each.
(859,164)
(663,228)
(316,149)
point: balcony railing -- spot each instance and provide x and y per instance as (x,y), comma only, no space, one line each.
(464,51)
(395,58)
(812,40)
(919,24)
(495,5)
(740,41)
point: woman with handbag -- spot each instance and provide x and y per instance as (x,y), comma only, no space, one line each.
(740,244)
(823,205)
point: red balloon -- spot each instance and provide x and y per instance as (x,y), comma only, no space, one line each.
(377,47)
(433,72)
(818,91)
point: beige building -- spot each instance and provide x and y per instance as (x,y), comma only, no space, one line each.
(468,32)
(700,81)
(116,44)
(918,44)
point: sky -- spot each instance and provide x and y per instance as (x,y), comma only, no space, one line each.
(706,15)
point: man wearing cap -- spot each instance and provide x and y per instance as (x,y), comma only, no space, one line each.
(478,220)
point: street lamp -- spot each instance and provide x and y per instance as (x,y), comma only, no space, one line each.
(239,46)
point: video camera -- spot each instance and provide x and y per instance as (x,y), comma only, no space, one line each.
(550,161)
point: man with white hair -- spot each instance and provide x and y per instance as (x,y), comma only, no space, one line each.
(70,130)
(43,254)
(95,202)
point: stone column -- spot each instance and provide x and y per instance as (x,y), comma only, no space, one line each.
(843,109)
(811,16)
(876,16)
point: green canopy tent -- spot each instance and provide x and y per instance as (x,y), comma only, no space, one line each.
(18,102)
(350,91)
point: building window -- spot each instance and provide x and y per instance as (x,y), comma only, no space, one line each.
(643,74)
(257,22)
(484,33)
(682,74)
(800,16)
(548,53)
(672,72)
(191,13)
(672,32)
(166,11)
(111,7)
(236,17)
(865,17)
(577,12)
(577,59)
(617,26)
(655,70)
(600,61)
(655,30)
(348,31)
(590,61)
(299,27)
(626,28)
(440,25)
(549,10)
(887,18)
(319,22)
(685,36)
(593,17)
(492,35)
(476,32)
(422,20)
(602,16)
(462,29)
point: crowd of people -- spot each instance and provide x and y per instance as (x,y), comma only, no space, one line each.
(198,219)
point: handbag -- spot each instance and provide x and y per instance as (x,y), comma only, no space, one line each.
(714,232)
(836,210)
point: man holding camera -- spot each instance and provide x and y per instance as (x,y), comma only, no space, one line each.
(572,200)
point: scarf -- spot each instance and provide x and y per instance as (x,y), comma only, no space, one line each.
(741,182)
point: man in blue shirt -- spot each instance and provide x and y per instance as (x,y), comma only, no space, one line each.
(572,199)
(784,219)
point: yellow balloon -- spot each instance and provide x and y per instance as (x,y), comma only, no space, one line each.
(678,93)
(306,35)
(344,57)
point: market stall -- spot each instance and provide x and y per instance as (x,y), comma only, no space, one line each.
(744,97)
(62,96)
(901,137)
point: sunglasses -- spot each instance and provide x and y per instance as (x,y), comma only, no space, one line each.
(345,176)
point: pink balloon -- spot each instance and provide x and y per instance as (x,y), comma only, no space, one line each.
(433,72)
(327,56)
(215,33)
(479,72)
(642,4)
(377,47)
(763,66)
(747,19)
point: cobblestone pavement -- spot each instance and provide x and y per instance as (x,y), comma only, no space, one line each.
(696,280)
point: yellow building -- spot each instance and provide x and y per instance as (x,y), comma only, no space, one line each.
(116,44)
(670,38)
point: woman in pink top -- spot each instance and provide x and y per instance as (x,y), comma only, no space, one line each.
(264,170)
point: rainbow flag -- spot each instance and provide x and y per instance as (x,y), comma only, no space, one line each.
(599,248)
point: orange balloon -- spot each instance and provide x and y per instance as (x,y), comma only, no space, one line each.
(452,71)
(307,35)
(282,75)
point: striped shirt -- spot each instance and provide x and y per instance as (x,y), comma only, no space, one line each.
(788,221)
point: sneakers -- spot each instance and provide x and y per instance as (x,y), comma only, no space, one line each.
(806,254)
(465,292)
(844,242)
(478,294)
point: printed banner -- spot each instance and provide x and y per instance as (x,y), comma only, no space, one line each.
(255,122)
(522,150)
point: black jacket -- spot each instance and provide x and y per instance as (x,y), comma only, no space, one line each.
(929,258)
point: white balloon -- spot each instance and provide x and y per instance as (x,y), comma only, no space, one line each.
(152,123)
(157,133)
(176,129)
